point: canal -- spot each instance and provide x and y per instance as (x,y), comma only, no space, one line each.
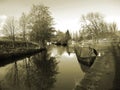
(54,69)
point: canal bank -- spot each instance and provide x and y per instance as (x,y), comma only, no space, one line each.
(104,73)
(17,54)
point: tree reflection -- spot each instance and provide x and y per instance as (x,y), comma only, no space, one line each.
(11,80)
(60,50)
(68,50)
(16,79)
(35,73)
(45,71)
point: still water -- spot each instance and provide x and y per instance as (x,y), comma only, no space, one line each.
(54,69)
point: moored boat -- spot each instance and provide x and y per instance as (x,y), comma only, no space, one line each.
(87,56)
(88,61)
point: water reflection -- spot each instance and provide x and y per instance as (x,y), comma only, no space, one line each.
(40,72)
(35,73)
(69,50)
(68,67)
(57,51)
(84,67)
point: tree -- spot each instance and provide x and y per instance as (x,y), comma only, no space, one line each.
(95,27)
(10,28)
(91,24)
(113,27)
(40,23)
(67,36)
(23,25)
(60,38)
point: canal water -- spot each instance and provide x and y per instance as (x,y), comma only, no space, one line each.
(54,69)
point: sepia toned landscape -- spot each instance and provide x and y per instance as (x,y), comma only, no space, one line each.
(59,45)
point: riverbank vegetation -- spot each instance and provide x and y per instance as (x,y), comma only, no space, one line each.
(37,26)
(94,28)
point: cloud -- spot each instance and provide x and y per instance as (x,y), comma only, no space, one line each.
(2,20)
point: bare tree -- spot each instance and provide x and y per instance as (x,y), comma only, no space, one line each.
(112,27)
(95,27)
(91,23)
(10,29)
(23,25)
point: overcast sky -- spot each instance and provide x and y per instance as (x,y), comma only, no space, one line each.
(66,13)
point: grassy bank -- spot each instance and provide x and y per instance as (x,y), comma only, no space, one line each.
(14,55)
(99,75)
(6,44)
(104,73)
